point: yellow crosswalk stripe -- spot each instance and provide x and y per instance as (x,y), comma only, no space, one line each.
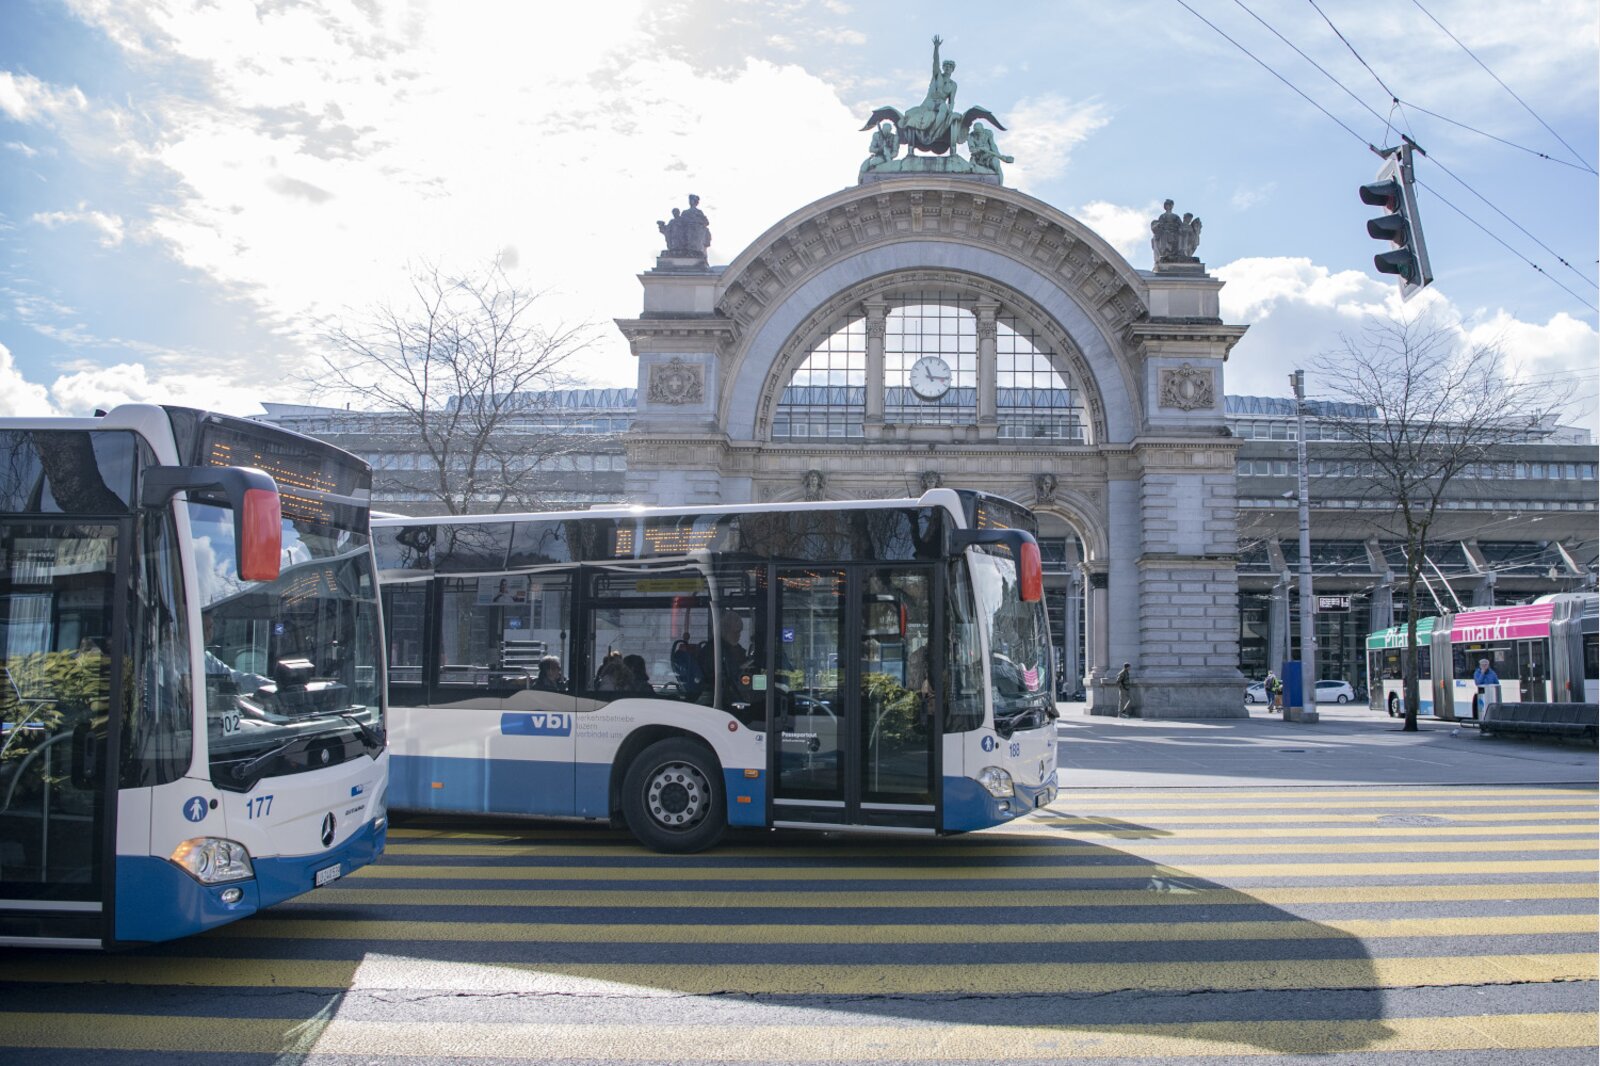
(907,1040)
(911,933)
(1068,871)
(1188,845)
(1255,816)
(1344,802)
(532,834)
(378,971)
(1121,797)
(1166,894)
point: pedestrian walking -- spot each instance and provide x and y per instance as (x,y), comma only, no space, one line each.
(1274,692)
(1125,691)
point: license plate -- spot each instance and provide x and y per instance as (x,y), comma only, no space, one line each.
(329,874)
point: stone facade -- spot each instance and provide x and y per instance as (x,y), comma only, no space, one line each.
(1150,489)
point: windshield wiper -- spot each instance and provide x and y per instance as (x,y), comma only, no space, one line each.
(248,769)
(369,736)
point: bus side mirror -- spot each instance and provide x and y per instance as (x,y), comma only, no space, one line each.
(253,496)
(1024,549)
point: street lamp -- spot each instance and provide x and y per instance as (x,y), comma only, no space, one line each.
(1307,711)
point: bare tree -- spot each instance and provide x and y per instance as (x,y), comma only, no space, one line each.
(1420,404)
(463,370)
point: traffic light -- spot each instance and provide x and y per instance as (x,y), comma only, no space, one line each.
(1401,226)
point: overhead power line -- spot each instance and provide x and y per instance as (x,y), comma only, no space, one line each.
(1554,280)
(1506,87)
(1397,102)
(1275,74)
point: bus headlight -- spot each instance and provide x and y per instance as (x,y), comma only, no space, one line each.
(996,780)
(380,808)
(213,861)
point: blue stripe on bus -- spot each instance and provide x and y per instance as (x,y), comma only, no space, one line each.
(528,786)
(158,901)
(503,786)
(968,805)
(747,797)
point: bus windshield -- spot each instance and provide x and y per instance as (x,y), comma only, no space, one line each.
(1019,645)
(292,678)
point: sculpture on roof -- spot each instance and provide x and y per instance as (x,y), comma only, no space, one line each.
(1174,239)
(933,126)
(689,233)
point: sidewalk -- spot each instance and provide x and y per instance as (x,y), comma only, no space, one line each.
(1351,746)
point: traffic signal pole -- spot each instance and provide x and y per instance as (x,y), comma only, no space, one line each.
(1307,710)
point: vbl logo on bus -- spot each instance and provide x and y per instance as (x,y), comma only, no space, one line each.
(536,724)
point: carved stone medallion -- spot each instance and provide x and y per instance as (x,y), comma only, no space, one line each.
(677,382)
(1187,388)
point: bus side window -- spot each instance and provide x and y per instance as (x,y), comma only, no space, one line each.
(645,633)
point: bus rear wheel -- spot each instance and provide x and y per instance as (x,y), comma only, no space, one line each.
(672,797)
(1394,705)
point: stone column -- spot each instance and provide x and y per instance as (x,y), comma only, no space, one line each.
(988,330)
(877,312)
(1071,666)
(1098,688)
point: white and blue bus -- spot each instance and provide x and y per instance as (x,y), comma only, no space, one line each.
(191,675)
(867,665)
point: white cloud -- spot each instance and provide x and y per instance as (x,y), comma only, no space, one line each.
(389,139)
(104,387)
(1126,228)
(1247,196)
(110,226)
(1043,131)
(20,397)
(24,98)
(25,150)
(1298,311)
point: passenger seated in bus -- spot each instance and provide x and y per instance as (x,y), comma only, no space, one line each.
(734,661)
(550,678)
(612,676)
(638,675)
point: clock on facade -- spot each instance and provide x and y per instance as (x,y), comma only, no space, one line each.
(930,377)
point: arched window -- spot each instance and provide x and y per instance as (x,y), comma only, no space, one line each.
(931,365)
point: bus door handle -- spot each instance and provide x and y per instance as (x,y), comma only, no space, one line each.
(85,756)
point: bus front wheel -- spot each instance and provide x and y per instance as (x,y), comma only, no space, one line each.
(672,797)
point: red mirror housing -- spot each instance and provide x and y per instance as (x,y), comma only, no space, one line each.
(1030,572)
(260,534)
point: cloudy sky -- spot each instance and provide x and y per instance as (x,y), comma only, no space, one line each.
(192,191)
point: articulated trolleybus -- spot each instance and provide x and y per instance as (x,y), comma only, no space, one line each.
(191,718)
(870,665)
(1542,652)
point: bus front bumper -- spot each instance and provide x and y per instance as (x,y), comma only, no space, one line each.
(155,900)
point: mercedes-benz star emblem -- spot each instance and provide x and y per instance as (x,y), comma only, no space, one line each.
(327,830)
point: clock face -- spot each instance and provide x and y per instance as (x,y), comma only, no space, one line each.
(930,377)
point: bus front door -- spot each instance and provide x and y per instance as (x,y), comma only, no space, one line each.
(853,737)
(61,623)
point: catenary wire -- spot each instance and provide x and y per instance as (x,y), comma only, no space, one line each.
(1504,86)
(1554,280)
(1399,101)
(1509,144)
(1463,183)
(1343,125)
(1459,180)
(1353,51)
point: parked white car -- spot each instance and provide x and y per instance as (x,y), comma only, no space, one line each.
(1256,693)
(1335,692)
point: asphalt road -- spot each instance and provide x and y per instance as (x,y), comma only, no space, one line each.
(1199,893)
